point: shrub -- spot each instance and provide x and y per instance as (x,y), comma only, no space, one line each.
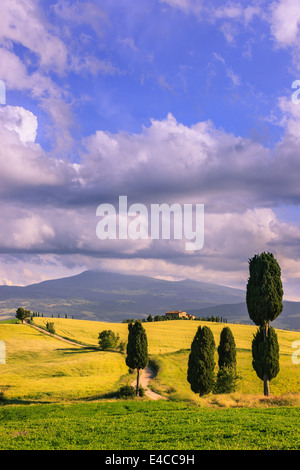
(108,339)
(127,391)
(50,327)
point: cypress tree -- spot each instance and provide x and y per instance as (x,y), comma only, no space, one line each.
(226,377)
(265,354)
(227,349)
(264,290)
(201,362)
(137,349)
(264,303)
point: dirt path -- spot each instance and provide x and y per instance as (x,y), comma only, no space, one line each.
(146,375)
(57,337)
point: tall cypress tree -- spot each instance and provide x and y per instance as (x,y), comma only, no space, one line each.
(264,303)
(201,362)
(227,349)
(264,290)
(265,354)
(226,377)
(137,349)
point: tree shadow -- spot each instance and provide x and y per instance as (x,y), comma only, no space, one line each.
(87,349)
(20,401)
(83,349)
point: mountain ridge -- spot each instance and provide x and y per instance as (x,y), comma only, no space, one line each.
(113,297)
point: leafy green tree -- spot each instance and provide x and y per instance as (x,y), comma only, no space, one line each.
(50,327)
(137,349)
(107,339)
(226,376)
(264,303)
(201,362)
(22,314)
(265,356)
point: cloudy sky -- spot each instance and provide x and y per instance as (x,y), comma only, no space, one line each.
(164,101)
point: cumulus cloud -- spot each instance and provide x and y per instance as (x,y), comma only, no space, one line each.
(46,51)
(50,205)
(27,172)
(20,120)
(34,34)
(285,21)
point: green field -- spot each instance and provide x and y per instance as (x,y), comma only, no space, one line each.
(70,389)
(147,425)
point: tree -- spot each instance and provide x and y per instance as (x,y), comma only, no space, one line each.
(264,303)
(50,327)
(137,349)
(265,354)
(264,290)
(227,376)
(22,314)
(201,361)
(227,349)
(107,339)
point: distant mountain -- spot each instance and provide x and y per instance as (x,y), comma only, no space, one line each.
(113,297)
(106,296)
(289,319)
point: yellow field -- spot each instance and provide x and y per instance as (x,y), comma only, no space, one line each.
(40,367)
(164,337)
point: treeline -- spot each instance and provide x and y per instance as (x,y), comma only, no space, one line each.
(150,318)
(38,314)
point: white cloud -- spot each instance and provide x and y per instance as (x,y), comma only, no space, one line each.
(285,21)
(35,34)
(23,163)
(234,77)
(232,176)
(194,6)
(81,12)
(20,120)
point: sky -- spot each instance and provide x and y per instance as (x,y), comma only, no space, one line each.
(161,101)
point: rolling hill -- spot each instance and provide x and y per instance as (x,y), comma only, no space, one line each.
(112,297)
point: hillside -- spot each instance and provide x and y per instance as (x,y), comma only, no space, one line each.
(112,297)
(289,319)
(40,368)
(109,296)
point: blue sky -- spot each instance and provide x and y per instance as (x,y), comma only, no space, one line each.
(163,101)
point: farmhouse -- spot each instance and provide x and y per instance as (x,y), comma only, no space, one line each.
(179,314)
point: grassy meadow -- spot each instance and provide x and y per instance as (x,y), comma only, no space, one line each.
(42,368)
(160,425)
(71,387)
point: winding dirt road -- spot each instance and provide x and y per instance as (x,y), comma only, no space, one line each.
(146,375)
(56,336)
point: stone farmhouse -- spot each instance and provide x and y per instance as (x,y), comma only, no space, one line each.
(179,314)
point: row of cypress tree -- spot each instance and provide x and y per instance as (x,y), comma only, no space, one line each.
(201,363)
(264,303)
